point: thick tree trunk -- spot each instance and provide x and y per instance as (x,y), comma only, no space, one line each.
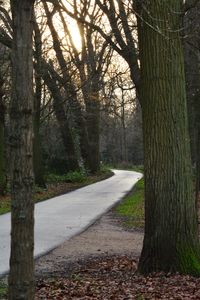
(90,89)
(2,142)
(93,119)
(171,229)
(37,150)
(81,130)
(21,278)
(192,64)
(192,71)
(66,134)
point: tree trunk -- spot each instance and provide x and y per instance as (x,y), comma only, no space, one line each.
(37,150)
(58,104)
(90,89)
(2,142)
(192,71)
(21,278)
(171,229)
(93,119)
(71,94)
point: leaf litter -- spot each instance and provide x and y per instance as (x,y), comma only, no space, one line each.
(115,278)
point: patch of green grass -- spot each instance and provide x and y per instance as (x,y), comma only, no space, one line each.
(3,290)
(4,205)
(132,207)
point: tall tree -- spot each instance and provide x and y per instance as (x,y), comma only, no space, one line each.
(119,31)
(2,139)
(91,62)
(21,284)
(171,229)
(70,144)
(50,78)
(192,71)
(37,149)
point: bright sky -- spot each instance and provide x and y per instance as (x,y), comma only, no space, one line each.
(73,30)
(72,25)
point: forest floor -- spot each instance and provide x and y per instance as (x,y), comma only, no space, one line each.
(101,263)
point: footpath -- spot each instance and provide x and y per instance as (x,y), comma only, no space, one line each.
(60,218)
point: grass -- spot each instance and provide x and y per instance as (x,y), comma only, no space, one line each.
(4,204)
(58,185)
(131,209)
(3,290)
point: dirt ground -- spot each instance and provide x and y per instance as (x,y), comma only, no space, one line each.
(105,238)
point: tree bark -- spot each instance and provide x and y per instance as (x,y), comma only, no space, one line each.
(21,278)
(37,150)
(2,142)
(93,120)
(171,230)
(192,71)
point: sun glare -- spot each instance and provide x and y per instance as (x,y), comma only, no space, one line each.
(72,26)
(73,30)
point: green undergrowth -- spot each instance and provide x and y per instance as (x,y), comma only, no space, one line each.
(131,209)
(3,290)
(73,177)
(58,185)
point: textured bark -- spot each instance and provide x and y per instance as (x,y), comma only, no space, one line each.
(93,119)
(2,142)
(37,151)
(192,71)
(171,231)
(21,278)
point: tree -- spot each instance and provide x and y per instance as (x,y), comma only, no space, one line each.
(69,140)
(4,74)
(2,139)
(119,32)
(91,62)
(121,130)
(49,76)
(192,71)
(37,149)
(21,285)
(120,15)
(171,229)
(118,29)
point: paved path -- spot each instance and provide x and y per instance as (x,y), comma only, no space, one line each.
(60,218)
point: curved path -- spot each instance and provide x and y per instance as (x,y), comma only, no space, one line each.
(60,218)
